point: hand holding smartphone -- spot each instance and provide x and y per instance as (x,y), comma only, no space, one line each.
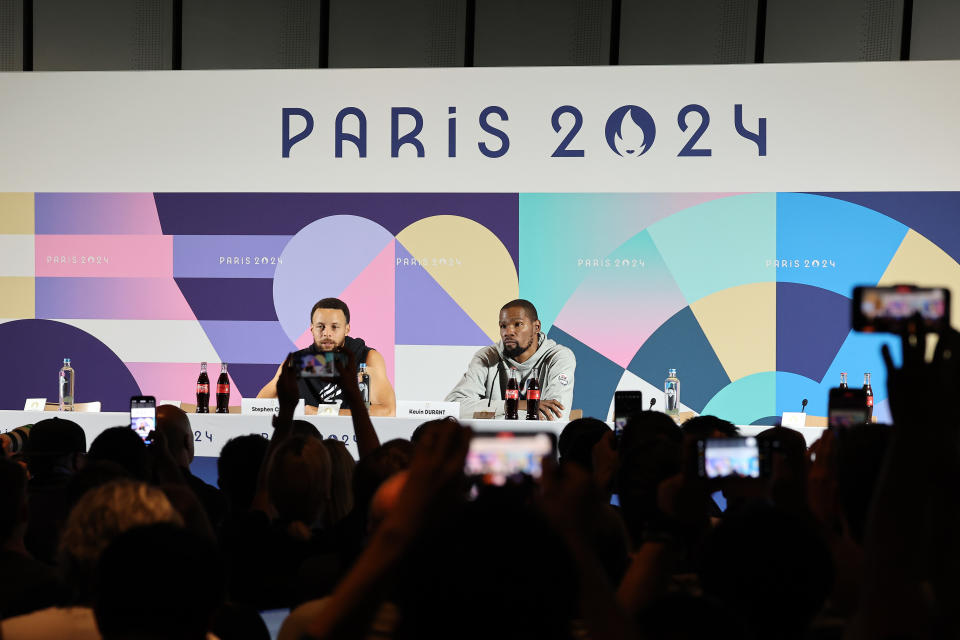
(143,416)
(507,457)
(893,309)
(728,457)
(847,407)
(321,365)
(625,404)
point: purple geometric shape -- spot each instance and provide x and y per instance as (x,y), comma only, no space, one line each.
(932,214)
(250,378)
(426,314)
(96,213)
(38,348)
(320,262)
(229,298)
(287,213)
(227,256)
(248,341)
(812,324)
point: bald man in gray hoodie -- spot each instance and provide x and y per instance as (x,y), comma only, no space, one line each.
(522,346)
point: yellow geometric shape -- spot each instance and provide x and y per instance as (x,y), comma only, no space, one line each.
(918,261)
(17,298)
(16,213)
(469,262)
(741,325)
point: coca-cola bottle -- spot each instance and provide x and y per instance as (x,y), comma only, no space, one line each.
(203,390)
(223,390)
(843,379)
(869,390)
(533,397)
(511,399)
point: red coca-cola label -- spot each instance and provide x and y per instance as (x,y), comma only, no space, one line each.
(869,401)
(533,394)
(513,394)
(223,388)
(203,388)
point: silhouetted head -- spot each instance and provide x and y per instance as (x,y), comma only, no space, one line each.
(491,568)
(13,500)
(174,424)
(709,427)
(298,480)
(577,440)
(770,566)
(55,446)
(123,446)
(158,581)
(341,480)
(860,453)
(100,516)
(238,467)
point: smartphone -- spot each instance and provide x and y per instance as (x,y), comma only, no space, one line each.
(729,457)
(625,404)
(847,407)
(320,365)
(143,416)
(892,309)
(497,458)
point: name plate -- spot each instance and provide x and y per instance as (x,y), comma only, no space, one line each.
(428,410)
(35,404)
(265,406)
(793,419)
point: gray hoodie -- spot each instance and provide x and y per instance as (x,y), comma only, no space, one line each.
(482,386)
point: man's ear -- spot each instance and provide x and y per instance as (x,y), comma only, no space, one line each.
(346,330)
(536,326)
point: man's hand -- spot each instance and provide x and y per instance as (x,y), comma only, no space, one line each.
(551,410)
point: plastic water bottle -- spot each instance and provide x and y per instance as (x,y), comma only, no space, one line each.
(363,381)
(67,380)
(671,393)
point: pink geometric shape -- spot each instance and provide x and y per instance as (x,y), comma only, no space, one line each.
(178,381)
(370,298)
(112,298)
(104,256)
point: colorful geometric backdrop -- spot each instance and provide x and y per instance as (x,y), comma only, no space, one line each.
(747,295)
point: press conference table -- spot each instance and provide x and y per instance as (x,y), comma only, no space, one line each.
(213,430)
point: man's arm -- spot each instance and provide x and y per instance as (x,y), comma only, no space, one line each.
(383,399)
(558,380)
(270,389)
(471,391)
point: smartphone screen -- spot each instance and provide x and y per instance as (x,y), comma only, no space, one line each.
(847,407)
(318,365)
(625,404)
(498,458)
(889,309)
(143,415)
(725,457)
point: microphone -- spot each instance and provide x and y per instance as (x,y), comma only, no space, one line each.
(653,401)
(803,406)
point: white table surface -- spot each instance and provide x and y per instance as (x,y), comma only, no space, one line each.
(213,430)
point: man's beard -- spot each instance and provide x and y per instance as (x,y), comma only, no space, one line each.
(513,352)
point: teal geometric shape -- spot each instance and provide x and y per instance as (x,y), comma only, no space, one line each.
(720,244)
(857,243)
(745,400)
(560,230)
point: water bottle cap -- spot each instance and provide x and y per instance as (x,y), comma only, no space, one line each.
(672,372)
(66,361)
(363,365)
